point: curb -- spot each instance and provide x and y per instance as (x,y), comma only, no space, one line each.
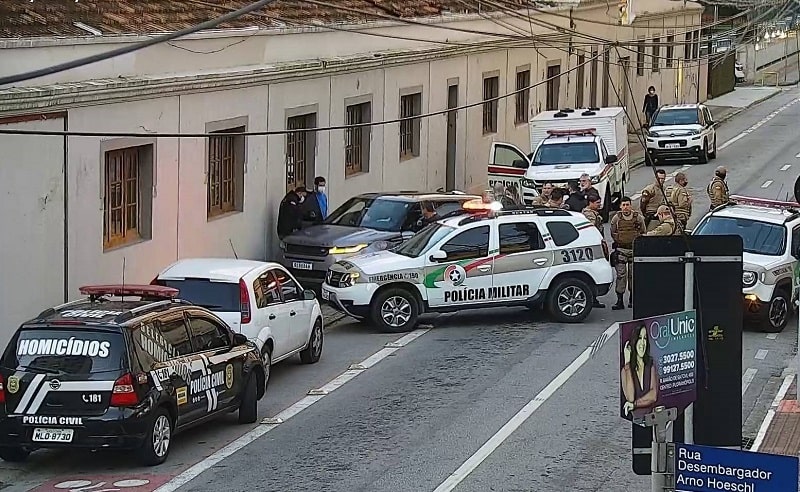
(640,161)
(333,319)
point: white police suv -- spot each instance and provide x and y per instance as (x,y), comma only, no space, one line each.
(770,231)
(528,257)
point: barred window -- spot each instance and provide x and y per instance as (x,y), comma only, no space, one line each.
(357,139)
(491,89)
(127,201)
(522,99)
(410,106)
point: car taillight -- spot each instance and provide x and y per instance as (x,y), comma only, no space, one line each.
(2,390)
(124,394)
(605,250)
(244,302)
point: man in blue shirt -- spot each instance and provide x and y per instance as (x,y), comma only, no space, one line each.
(316,206)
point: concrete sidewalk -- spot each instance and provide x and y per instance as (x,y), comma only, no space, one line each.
(780,431)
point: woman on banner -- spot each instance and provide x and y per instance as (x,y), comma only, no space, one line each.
(639,374)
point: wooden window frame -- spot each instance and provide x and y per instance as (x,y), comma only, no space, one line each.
(640,54)
(491,90)
(127,187)
(669,62)
(655,52)
(300,149)
(357,139)
(522,99)
(410,129)
(222,162)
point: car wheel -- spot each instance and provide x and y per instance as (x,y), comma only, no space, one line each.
(313,351)
(703,157)
(248,408)
(713,153)
(394,311)
(266,359)
(14,454)
(778,311)
(570,300)
(156,446)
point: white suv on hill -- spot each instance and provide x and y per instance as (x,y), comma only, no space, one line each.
(681,131)
(529,257)
(261,300)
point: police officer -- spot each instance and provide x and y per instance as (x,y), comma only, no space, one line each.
(592,213)
(652,198)
(681,199)
(667,227)
(627,225)
(556,199)
(290,213)
(718,193)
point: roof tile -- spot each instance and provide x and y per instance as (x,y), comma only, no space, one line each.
(40,18)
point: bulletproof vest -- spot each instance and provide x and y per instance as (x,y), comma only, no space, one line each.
(724,184)
(673,199)
(628,230)
(656,199)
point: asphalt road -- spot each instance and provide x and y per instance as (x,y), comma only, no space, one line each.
(417,410)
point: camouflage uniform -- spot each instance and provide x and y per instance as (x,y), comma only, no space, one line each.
(651,199)
(682,202)
(594,217)
(665,228)
(718,193)
(624,230)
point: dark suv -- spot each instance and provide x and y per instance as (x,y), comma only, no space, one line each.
(127,368)
(365,223)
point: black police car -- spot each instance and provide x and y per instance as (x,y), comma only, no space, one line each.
(126,368)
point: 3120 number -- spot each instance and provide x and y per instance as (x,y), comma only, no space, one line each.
(577,254)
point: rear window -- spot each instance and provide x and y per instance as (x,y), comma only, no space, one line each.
(215,296)
(79,351)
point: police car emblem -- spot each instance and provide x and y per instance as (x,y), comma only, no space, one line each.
(13,384)
(455,274)
(55,384)
(229,376)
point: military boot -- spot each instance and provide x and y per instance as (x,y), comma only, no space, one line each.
(620,303)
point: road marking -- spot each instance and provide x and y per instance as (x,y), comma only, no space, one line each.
(762,431)
(772,336)
(798,156)
(513,424)
(749,374)
(761,354)
(785,167)
(766,183)
(272,423)
(757,125)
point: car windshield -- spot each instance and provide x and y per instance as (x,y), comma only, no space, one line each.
(424,240)
(676,117)
(65,351)
(761,238)
(566,153)
(381,214)
(215,296)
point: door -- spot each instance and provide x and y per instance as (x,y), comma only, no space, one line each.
(465,276)
(299,310)
(167,341)
(272,313)
(213,375)
(507,164)
(450,172)
(522,263)
(712,131)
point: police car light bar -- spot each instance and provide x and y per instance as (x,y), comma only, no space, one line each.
(153,291)
(477,205)
(576,131)
(764,202)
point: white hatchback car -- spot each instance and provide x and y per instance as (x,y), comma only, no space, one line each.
(261,300)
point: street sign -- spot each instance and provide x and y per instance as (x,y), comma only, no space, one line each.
(709,469)
(658,364)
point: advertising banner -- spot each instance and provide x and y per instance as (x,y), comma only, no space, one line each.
(658,364)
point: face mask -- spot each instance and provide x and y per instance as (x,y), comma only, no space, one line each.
(321,189)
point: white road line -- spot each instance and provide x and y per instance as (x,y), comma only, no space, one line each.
(798,156)
(766,183)
(747,378)
(772,336)
(269,424)
(512,425)
(762,431)
(761,354)
(785,167)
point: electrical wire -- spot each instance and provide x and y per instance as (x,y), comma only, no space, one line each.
(12,131)
(80,62)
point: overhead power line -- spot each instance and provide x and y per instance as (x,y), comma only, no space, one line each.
(80,62)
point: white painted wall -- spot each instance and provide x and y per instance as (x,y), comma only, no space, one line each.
(32,224)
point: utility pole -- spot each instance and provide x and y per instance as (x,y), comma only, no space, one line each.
(688,305)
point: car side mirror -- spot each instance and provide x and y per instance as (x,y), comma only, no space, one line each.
(309,295)
(438,255)
(239,339)
(611,159)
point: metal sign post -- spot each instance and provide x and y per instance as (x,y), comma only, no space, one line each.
(661,473)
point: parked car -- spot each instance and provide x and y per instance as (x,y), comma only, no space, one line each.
(681,131)
(738,72)
(365,223)
(127,367)
(260,300)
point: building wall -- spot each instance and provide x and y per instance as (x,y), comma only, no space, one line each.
(33,248)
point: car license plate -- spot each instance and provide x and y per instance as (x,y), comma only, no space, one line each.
(301,265)
(52,435)
(671,146)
